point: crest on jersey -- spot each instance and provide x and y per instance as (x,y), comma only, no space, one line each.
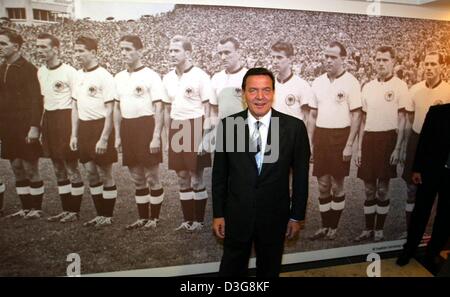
(341,96)
(139,91)
(238,92)
(389,96)
(189,92)
(92,91)
(290,100)
(438,102)
(58,86)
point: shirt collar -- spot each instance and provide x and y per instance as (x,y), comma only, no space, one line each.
(55,67)
(19,62)
(386,79)
(287,79)
(435,86)
(234,72)
(185,70)
(340,75)
(91,69)
(137,69)
(265,120)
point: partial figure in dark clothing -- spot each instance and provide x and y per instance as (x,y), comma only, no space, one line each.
(20,117)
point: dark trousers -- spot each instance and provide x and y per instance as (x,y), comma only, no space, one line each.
(436,183)
(236,256)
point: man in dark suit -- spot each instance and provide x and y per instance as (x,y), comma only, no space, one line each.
(431,172)
(255,151)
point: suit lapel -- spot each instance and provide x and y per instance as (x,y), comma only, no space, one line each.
(248,144)
(267,166)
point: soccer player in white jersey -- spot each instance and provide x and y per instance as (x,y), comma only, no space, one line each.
(227,83)
(380,140)
(333,122)
(429,92)
(138,119)
(292,94)
(189,93)
(57,81)
(92,128)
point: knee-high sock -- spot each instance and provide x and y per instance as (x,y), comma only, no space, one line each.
(37,194)
(382,211)
(142,201)
(325,211)
(64,189)
(23,191)
(109,200)
(96,194)
(370,207)
(337,206)
(187,204)
(76,194)
(156,200)
(200,200)
(2,191)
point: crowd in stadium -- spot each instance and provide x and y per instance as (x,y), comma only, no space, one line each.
(257,29)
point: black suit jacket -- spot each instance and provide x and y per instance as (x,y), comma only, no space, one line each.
(251,203)
(434,141)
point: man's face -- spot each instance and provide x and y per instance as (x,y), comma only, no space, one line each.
(44,49)
(228,55)
(259,94)
(280,62)
(177,54)
(129,54)
(384,64)
(432,67)
(7,48)
(83,55)
(333,60)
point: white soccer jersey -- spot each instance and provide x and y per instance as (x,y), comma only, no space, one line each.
(334,100)
(291,95)
(188,93)
(136,91)
(227,88)
(381,102)
(57,86)
(93,89)
(422,97)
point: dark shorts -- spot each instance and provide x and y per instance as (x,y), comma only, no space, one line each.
(13,133)
(136,136)
(56,132)
(183,150)
(89,133)
(328,147)
(410,155)
(376,151)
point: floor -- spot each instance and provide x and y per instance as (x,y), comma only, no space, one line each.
(387,268)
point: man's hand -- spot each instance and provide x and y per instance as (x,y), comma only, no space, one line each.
(416,178)
(101,146)
(118,144)
(33,135)
(395,156)
(293,229)
(155,145)
(347,153)
(73,143)
(219,227)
